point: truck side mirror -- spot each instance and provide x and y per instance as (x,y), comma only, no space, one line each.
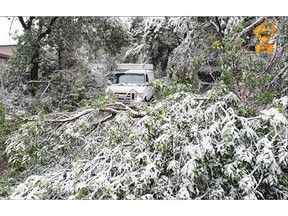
(109,82)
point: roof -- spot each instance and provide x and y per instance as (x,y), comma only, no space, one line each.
(4,55)
(7,50)
(130,66)
(8,45)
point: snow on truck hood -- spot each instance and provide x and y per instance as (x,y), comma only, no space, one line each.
(126,88)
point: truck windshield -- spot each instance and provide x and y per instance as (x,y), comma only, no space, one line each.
(128,78)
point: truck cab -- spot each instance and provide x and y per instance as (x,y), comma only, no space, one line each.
(130,83)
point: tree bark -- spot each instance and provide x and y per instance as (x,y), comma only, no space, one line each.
(35,63)
(59,51)
(48,30)
(26,26)
(35,68)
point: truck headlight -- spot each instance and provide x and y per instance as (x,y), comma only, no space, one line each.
(139,97)
(107,93)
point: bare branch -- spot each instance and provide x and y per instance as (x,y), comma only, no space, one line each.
(85,112)
(270,63)
(26,26)
(111,110)
(37,81)
(21,20)
(46,88)
(250,27)
(10,28)
(115,110)
(282,73)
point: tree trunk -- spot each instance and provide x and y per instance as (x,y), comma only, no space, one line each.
(34,69)
(59,58)
(35,64)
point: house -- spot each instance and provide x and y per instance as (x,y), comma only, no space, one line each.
(6,51)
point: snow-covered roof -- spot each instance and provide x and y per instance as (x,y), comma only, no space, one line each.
(134,66)
(133,71)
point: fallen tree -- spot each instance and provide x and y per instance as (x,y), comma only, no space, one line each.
(186,147)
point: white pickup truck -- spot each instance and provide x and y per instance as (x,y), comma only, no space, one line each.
(129,83)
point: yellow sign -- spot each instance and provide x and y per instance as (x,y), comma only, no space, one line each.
(265,31)
(264,47)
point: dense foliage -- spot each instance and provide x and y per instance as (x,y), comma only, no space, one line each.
(186,147)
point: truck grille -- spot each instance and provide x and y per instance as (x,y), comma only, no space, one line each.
(125,97)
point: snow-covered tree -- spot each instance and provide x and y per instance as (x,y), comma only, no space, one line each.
(155,39)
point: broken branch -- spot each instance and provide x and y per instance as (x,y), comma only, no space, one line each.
(72,118)
(95,125)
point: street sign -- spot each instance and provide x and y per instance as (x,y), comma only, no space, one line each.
(264,47)
(264,32)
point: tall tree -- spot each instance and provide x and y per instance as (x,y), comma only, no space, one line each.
(50,44)
(44,29)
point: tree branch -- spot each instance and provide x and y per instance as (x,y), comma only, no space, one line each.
(71,118)
(95,125)
(282,73)
(49,28)
(113,112)
(134,113)
(21,20)
(250,27)
(217,25)
(29,23)
(36,81)
(49,82)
